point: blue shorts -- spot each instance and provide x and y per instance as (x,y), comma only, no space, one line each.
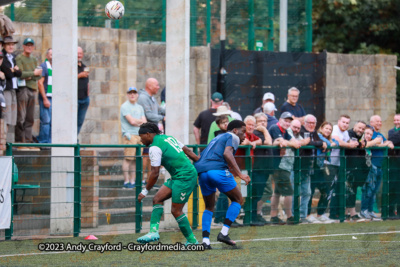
(209,181)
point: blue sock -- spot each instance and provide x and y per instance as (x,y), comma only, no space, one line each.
(206,222)
(232,213)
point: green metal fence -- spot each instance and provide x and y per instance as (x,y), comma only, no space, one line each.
(247,21)
(195,213)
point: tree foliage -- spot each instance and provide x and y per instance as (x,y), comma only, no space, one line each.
(348,26)
(358,26)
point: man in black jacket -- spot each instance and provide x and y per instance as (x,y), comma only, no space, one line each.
(394,177)
(307,187)
(357,169)
(11,71)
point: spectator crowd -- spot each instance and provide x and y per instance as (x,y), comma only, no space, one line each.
(319,161)
(23,81)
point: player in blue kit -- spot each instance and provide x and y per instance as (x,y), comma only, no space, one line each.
(213,168)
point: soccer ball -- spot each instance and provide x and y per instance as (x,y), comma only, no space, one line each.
(114,10)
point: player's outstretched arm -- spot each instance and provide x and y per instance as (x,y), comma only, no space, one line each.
(228,155)
(190,154)
(154,173)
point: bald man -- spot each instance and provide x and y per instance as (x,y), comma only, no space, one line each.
(376,168)
(83,89)
(153,112)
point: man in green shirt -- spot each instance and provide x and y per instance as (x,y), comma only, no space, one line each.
(396,128)
(221,110)
(170,153)
(26,93)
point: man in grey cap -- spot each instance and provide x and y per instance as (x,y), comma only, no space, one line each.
(281,177)
(27,92)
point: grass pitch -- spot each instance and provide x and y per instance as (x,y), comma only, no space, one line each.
(359,244)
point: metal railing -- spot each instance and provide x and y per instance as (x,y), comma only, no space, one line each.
(248,206)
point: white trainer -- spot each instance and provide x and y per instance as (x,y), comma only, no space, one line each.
(325,219)
(312,219)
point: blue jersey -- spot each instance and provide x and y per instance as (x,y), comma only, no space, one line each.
(212,158)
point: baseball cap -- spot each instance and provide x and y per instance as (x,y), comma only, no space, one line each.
(269,96)
(286,115)
(28,40)
(268,107)
(216,97)
(131,89)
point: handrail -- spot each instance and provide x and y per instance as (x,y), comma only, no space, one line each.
(190,146)
(196,148)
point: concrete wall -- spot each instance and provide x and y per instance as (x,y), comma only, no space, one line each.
(151,63)
(116,62)
(361,86)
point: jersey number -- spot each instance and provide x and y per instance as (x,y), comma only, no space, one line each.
(174,144)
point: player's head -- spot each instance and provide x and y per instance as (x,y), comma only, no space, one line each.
(237,127)
(147,132)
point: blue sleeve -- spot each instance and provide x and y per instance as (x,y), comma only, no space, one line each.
(44,69)
(275,132)
(287,136)
(324,139)
(232,141)
(383,137)
(335,141)
(376,134)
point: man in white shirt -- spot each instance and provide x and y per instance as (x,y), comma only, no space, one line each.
(341,135)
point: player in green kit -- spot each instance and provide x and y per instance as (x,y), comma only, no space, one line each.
(167,151)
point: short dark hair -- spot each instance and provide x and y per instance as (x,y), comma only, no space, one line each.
(363,122)
(235,124)
(221,118)
(149,127)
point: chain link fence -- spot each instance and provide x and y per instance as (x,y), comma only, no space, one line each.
(247,21)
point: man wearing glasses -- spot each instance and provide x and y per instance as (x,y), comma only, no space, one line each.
(307,188)
(291,105)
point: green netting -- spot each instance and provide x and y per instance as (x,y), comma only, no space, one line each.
(296,26)
(247,21)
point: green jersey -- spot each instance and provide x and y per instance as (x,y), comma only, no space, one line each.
(167,151)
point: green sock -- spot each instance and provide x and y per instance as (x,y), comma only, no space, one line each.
(186,230)
(158,211)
